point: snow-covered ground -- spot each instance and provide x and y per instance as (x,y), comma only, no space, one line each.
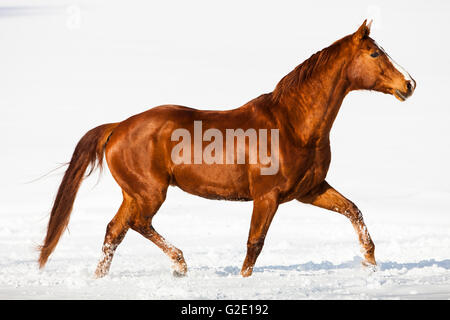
(309,254)
(62,76)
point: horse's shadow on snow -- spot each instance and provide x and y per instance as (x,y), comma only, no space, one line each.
(327,266)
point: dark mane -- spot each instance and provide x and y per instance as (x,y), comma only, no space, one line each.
(304,71)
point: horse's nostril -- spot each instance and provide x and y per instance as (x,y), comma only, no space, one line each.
(408,85)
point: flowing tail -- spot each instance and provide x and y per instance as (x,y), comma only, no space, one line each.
(89,151)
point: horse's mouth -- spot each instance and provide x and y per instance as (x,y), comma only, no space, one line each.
(400,96)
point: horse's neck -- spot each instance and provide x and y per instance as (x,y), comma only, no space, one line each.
(311,108)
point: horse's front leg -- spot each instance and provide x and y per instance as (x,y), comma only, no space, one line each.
(264,209)
(327,197)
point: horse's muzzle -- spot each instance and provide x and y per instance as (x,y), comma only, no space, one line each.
(410,87)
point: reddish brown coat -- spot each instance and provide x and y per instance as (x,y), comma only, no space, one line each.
(302,107)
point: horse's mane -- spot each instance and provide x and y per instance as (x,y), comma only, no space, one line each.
(306,69)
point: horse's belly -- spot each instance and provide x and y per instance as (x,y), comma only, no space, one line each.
(227,182)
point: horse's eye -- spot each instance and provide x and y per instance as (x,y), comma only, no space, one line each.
(375,54)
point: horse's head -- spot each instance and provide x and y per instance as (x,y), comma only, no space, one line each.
(371,67)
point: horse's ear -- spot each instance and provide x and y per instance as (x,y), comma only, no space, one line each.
(363,31)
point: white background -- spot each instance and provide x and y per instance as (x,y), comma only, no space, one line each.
(68,66)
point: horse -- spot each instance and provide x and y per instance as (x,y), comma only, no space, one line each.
(302,108)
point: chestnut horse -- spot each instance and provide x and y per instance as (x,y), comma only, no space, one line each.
(302,107)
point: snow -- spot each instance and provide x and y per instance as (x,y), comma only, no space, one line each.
(390,158)
(309,254)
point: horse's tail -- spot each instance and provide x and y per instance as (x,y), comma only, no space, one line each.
(89,151)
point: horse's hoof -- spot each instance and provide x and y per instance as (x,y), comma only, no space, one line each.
(179,270)
(247,272)
(178,274)
(99,275)
(369,266)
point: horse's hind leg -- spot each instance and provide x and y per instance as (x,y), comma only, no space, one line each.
(115,232)
(142,223)
(327,197)
(175,254)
